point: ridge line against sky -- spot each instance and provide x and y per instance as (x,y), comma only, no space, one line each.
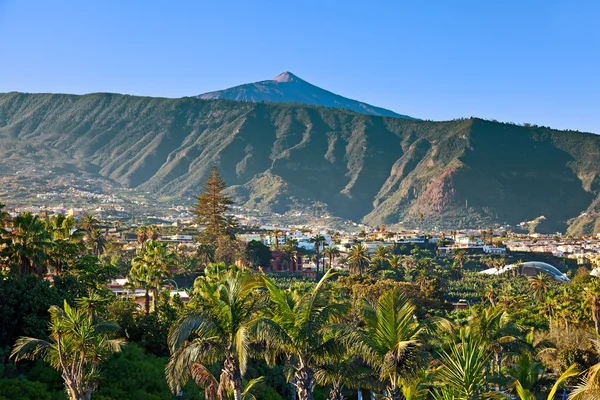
(516,61)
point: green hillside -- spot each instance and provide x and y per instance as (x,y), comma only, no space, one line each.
(379,170)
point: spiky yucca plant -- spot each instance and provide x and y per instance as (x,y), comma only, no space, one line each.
(77,347)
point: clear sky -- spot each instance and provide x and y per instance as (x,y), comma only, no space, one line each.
(512,60)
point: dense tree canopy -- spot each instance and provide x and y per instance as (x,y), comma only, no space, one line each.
(397,321)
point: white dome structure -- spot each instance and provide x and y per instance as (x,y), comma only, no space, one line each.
(530,269)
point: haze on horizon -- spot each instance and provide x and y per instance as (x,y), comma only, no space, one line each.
(516,61)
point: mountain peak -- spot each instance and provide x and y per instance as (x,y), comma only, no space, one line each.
(295,90)
(286,76)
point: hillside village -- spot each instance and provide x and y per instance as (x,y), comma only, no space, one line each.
(257,227)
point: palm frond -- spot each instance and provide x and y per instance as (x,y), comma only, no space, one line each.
(203,378)
(242,342)
(573,370)
(115,345)
(28,348)
(184,327)
(247,393)
(523,393)
(205,349)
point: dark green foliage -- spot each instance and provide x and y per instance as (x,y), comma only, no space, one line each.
(24,309)
(93,273)
(19,389)
(136,375)
(69,287)
(43,373)
(258,254)
(151,331)
(274,386)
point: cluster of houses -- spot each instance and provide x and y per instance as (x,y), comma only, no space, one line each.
(585,250)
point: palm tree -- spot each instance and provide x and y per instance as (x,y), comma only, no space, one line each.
(539,286)
(318,239)
(138,278)
(66,242)
(409,263)
(517,268)
(218,329)
(389,340)
(298,328)
(64,228)
(77,348)
(495,329)
(290,252)
(379,260)
(276,232)
(91,304)
(358,258)
(491,294)
(344,371)
(97,242)
(395,261)
(462,374)
(151,268)
(460,257)
(142,234)
(206,380)
(152,232)
(88,224)
(29,244)
(592,296)
(331,252)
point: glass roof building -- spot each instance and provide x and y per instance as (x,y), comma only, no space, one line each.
(530,269)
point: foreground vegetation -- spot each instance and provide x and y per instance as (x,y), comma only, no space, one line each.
(385,327)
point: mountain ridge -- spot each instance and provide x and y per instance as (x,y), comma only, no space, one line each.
(274,156)
(289,88)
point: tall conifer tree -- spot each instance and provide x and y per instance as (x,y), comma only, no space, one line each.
(211,208)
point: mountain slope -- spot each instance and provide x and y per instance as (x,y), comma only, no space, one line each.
(463,173)
(288,88)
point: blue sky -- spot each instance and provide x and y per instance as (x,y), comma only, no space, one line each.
(512,60)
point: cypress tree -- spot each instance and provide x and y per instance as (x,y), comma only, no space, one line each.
(211,208)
